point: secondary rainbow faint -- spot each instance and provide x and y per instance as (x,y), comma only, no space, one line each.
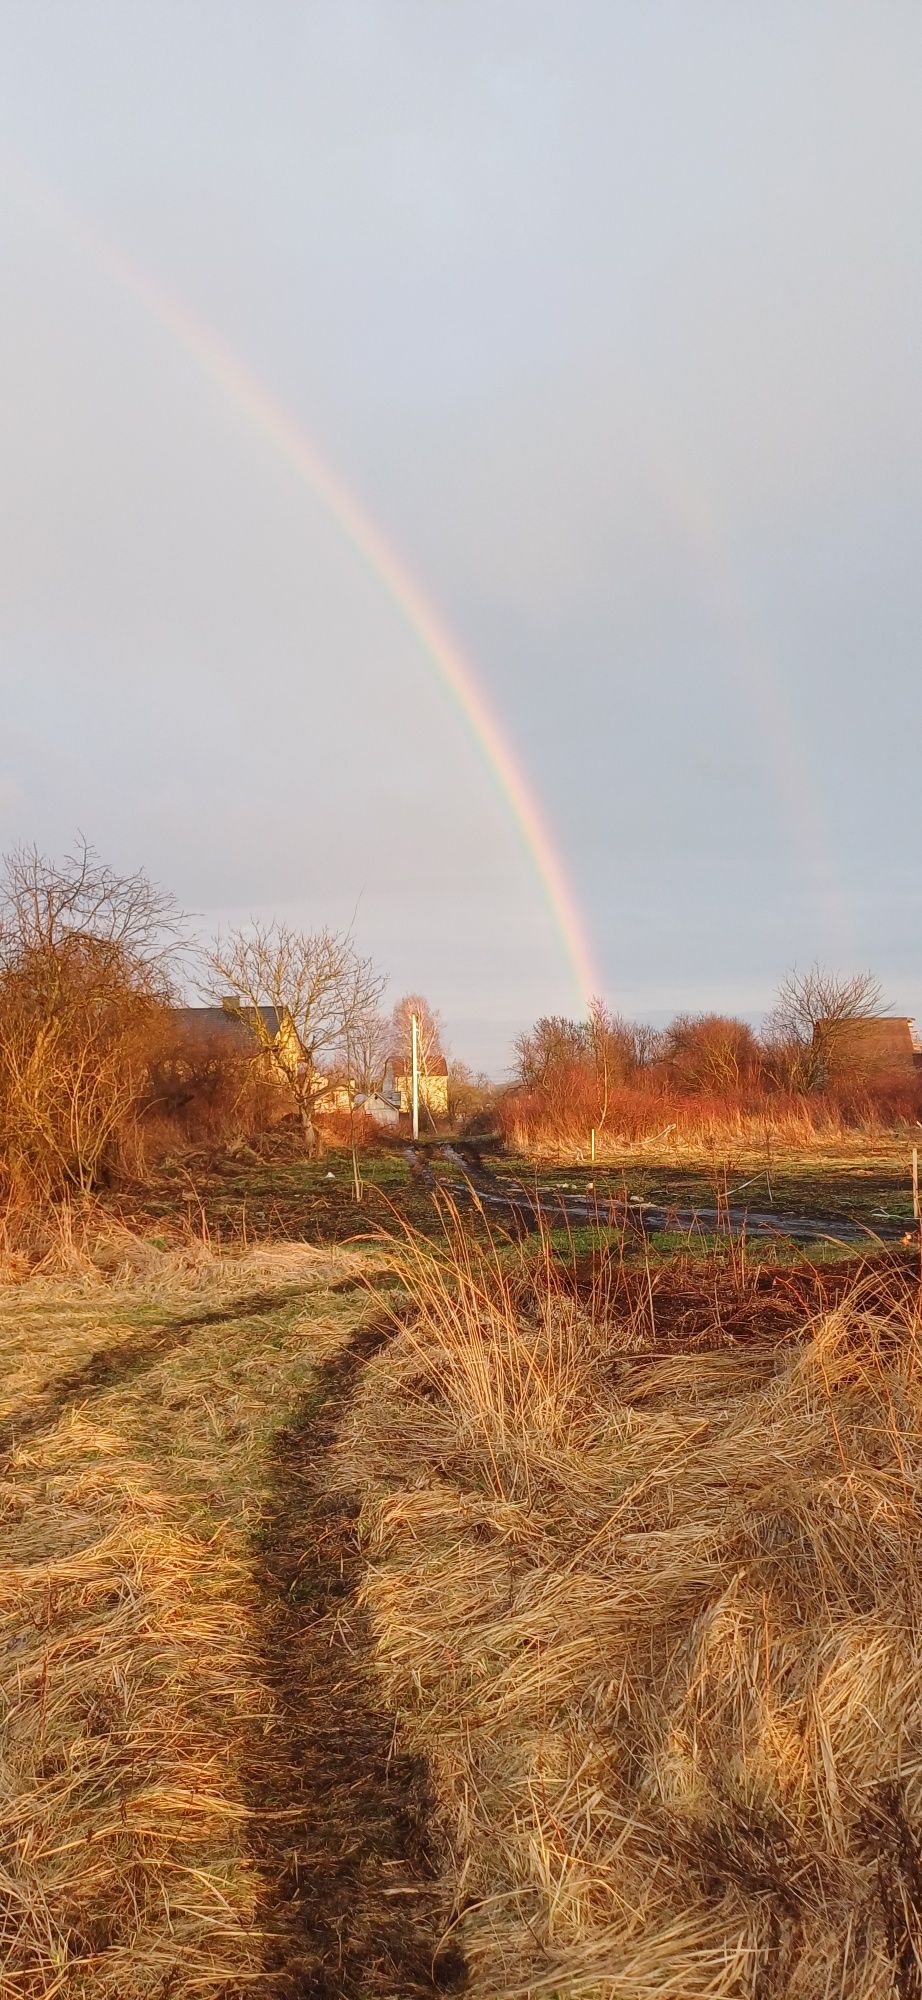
(685,505)
(292,442)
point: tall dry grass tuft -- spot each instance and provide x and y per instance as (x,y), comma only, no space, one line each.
(654,1618)
(509,1357)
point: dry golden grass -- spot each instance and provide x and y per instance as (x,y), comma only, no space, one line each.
(136,1417)
(654,1620)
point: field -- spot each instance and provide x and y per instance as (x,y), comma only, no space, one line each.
(173,1784)
(867,1181)
(392,1617)
(240,1199)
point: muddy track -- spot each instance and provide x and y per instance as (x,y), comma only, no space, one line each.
(341,1819)
(529,1210)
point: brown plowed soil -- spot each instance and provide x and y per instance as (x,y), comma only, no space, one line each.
(689,1303)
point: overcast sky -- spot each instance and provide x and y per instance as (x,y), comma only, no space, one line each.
(610,316)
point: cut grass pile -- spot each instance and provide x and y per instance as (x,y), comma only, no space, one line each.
(136,1419)
(653,1617)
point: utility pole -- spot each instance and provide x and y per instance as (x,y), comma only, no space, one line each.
(414,1028)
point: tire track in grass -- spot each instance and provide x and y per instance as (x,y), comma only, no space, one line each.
(112,1367)
(340,1819)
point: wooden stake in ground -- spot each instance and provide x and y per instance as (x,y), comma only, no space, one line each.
(414,1026)
(915,1182)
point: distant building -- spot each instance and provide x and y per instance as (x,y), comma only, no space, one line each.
(382,1106)
(380,1109)
(227,1025)
(433,1088)
(885,1047)
(395,1092)
(331,1096)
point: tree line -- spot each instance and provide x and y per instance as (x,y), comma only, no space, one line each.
(810,1058)
(100,1062)
(100,1065)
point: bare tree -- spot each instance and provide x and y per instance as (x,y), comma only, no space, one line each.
(84,972)
(300,995)
(366,1049)
(430,1047)
(430,1044)
(610,1042)
(368,1045)
(810,1027)
(712,1052)
(648,1044)
(54,912)
(552,1045)
(471,1095)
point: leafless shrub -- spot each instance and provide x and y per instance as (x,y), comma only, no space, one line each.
(205,1089)
(713,1052)
(300,996)
(472,1098)
(807,1033)
(84,978)
(552,1048)
(817,1067)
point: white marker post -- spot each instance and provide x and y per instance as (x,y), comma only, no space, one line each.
(915,1182)
(414,1028)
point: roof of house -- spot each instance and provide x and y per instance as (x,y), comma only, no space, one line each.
(877,1040)
(210,1021)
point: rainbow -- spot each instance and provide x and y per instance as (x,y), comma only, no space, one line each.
(694,520)
(292,443)
(685,505)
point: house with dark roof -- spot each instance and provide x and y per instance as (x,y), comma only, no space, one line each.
(237,1029)
(223,1020)
(883,1048)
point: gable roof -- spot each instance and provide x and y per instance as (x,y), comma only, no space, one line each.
(207,1022)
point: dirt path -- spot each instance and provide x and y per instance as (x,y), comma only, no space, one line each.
(341,1819)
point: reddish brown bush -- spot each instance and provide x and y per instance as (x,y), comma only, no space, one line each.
(713,1053)
(205,1090)
(84,983)
(706,1079)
